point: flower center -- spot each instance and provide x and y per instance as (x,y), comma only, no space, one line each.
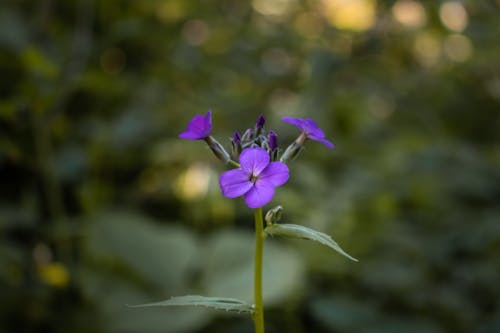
(253,178)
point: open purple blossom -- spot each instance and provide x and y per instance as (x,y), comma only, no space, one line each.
(310,128)
(256,178)
(198,128)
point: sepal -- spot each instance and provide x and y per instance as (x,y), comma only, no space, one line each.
(218,149)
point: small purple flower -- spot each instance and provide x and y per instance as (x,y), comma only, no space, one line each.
(256,178)
(198,128)
(310,129)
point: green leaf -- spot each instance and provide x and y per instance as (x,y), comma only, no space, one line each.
(117,318)
(299,231)
(218,303)
(126,237)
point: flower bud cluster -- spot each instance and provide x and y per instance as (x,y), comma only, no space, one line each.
(200,128)
(260,169)
(256,137)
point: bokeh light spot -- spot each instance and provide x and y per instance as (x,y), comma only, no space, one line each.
(409,13)
(171,11)
(273,7)
(427,49)
(493,87)
(355,15)
(458,48)
(193,183)
(453,16)
(54,274)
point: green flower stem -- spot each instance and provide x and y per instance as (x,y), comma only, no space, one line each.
(258,316)
(233,163)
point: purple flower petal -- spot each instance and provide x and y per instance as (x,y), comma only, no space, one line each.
(323,141)
(276,174)
(294,121)
(259,195)
(198,128)
(310,128)
(254,160)
(234,183)
(255,179)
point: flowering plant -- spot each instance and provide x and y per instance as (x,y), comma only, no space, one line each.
(258,171)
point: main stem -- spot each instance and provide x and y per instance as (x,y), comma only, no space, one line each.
(258,316)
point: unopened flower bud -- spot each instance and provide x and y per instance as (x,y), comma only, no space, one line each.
(274,215)
(259,124)
(247,136)
(236,145)
(272,140)
(217,149)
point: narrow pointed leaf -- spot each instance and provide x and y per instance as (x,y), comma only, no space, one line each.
(218,303)
(299,231)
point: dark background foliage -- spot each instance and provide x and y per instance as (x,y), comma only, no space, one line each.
(102,205)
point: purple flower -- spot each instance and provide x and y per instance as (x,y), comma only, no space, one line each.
(256,178)
(198,128)
(310,129)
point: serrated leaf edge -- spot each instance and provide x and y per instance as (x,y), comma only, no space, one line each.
(217,303)
(300,231)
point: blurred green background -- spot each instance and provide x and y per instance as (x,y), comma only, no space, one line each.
(102,205)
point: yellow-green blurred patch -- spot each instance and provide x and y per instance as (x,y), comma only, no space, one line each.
(54,274)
